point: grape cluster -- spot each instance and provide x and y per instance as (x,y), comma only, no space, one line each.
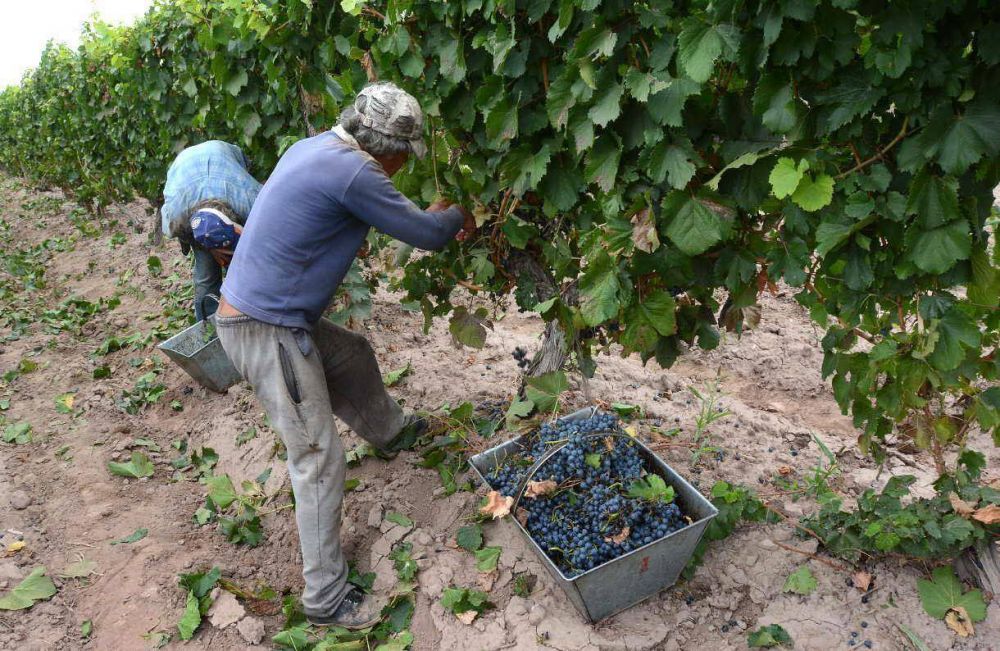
(495,410)
(583,523)
(521,356)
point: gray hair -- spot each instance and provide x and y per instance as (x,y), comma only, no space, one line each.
(373,142)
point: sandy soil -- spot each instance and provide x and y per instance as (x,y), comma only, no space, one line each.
(770,379)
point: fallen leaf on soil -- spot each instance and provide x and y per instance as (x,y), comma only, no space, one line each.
(958,620)
(540,488)
(632,431)
(862,581)
(486,580)
(988,514)
(15,547)
(497,505)
(619,537)
(467,617)
(784,470)
(79,569)
(961,507)
(995,484)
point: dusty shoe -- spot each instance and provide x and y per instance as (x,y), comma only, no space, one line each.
(413,428)
(357,610)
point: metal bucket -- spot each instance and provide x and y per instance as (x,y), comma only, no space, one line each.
(621,582)
(199,352)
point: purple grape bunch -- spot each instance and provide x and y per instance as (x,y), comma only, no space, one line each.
(590,519)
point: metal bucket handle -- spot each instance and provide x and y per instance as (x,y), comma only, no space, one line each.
(535,467)
(215,298)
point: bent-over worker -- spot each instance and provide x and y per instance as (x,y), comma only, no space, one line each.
(207,198)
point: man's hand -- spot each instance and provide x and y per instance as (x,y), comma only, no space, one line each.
(440,205)
(222,256)
(468,227)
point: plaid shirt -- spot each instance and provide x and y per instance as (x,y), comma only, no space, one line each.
(212,170)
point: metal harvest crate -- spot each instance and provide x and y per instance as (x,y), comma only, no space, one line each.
(624,581)
(199,352)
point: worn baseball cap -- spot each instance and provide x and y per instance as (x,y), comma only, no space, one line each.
(213,230)
(390,110)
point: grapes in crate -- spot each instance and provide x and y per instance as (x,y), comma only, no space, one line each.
(593,500)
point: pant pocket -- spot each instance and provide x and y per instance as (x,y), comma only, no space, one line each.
(288,373)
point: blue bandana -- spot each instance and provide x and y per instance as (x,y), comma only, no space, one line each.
(213,230)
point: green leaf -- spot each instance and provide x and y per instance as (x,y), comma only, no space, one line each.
(944,592)
(470,537)
(200,583)
(937,250)
(154,265)
(699,45)
(560,100)
(78,570)
(667,106)
(487,558)
(786,175)
(933,199)
(607,108)
(660,311)
(695,228)
(468,329)
(544,390)
(801,581)
(392,378)
(64,402)
(221,490)
(651,488)
(766,637)
(399,518)
(593,459)
(600,286)
(17,433)
(501,124)
(671,162)
(602,163)
(35,587)
(135,536)
(519,409)
(101,372)
(956,329)
(86,628)
(236,82)
(813,194)
(191,619)
(138,467)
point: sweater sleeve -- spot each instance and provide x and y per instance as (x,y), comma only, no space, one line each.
(372,198)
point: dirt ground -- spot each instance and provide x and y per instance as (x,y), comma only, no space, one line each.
(66,503)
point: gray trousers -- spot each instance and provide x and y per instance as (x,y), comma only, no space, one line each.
(302,379)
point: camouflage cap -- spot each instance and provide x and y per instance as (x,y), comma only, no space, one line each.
(390,110)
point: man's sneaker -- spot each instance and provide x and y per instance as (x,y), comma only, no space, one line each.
(358,610)
(414,426)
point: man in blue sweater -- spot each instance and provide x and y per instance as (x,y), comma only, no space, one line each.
(305,229)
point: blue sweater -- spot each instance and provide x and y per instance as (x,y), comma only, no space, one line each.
(308,223)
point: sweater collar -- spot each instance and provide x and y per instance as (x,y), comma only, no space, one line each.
(348,139)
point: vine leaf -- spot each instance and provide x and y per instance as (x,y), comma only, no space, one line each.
(644,234)
(785,176)
(801,581)
(470,538)
(35,587)
(540,488)
(469,328)
(943,593)
(497,505)
(766,637)
(988,514)
(695,228)
(138,467)
(699,45)
(958,620)
(814,193)
(963,508)
(600,287)
(544,390)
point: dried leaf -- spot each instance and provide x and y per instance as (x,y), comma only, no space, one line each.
(609,443)
(632,431)
(862,581)
(79,569)
(497,505)
(988,514)
(486,580)
(959,621)
(784,471)
(644,231)
(522,516)
(963,508)
(619,537)
(467,617)
(15,547)
(540,488)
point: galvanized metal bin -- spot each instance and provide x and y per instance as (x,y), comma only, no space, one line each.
(624,581)
(199,352)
